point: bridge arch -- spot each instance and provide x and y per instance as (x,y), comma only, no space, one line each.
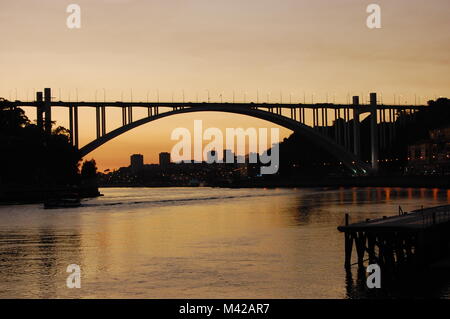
(347,158)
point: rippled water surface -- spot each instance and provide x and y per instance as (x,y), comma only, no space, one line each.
(197,243)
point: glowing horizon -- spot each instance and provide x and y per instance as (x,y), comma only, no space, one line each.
(260,50)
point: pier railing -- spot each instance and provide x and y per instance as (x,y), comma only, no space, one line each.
(434,215)
(428,216)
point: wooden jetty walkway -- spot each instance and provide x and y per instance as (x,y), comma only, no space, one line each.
(409,239)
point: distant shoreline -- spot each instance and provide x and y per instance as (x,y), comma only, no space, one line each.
(27,196)
(442,182)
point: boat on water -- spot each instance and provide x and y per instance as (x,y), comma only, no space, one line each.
(63,202)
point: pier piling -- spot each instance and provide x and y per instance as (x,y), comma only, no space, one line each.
(409,240)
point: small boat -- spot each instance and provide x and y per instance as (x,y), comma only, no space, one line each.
(62,203)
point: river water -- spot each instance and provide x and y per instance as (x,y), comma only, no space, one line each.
(199,243)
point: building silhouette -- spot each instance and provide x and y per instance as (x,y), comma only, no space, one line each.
(137,162)
(164,159)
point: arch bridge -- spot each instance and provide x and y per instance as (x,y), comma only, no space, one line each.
(344,144)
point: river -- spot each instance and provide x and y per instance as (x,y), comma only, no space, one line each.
(199,243)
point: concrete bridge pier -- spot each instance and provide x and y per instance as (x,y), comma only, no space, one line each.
(356,128)
(130,114)
(40,110)
(71,128)
(48,110)
(100,115)
(374,131)
(97,122)
(124,116)
(73,125)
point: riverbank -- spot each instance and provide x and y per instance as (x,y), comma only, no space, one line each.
(442,182)
(17,195)
(368,181)
(32,195)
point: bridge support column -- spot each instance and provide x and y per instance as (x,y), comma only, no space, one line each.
(318,119)
(71,124)
(314,118)
(356,128)
(335,126)
(48,110)
(391,126)
(40,110)
(383,128)
(97,121)
(349,139)
(321,116)
(74,126)
(103,120)
(100,115)
(374,131)
(338,126)
(130,114)
(124,115)
(346,136)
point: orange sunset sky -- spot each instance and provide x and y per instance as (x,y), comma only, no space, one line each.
(292,48)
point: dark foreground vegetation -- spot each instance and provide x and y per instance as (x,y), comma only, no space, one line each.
(35,166)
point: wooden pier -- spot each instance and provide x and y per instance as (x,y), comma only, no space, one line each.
(409,240)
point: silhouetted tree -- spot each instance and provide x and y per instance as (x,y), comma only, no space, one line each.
(33,157)
(89,169)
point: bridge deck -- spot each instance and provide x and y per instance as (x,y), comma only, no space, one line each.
(361,107)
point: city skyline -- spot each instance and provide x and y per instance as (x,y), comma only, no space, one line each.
(258,50)
(227,154)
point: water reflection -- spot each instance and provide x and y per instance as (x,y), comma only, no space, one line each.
(427,284)
(31,259)
(198,243)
